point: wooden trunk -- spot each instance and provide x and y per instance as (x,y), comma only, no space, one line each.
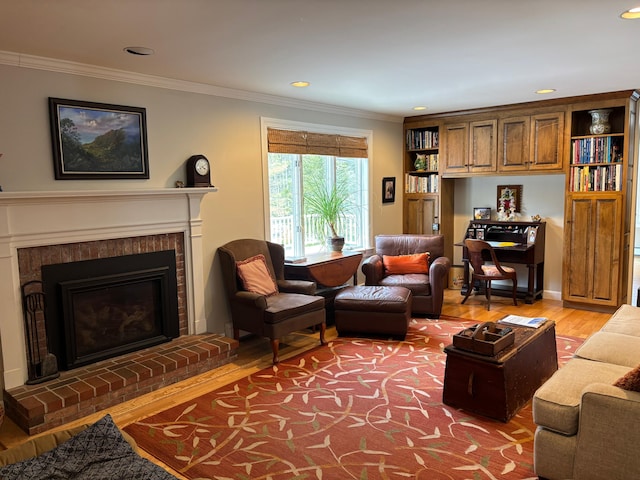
(499,386)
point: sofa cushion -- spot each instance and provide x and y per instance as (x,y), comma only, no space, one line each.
(556,404)
(255,276)
(403,264)
(625,320)
(630,381)
(608,347)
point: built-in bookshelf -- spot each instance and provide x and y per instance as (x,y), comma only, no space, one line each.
(427,198)
(596,163)
(421,172)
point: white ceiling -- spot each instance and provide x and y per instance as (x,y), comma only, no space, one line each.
(381,56)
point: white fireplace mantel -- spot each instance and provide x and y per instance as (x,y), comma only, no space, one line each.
(31,219)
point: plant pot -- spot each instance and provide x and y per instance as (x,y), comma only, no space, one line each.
(336,243)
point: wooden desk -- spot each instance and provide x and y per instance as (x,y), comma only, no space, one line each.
(511,243)
(331,269)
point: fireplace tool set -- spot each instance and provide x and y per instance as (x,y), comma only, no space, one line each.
(42,365)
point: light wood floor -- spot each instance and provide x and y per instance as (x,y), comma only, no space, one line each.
(255,354)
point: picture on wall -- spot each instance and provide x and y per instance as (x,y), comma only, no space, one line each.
(98,141)
(509,199)
(388,189)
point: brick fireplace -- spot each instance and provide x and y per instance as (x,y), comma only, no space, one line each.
(45,228)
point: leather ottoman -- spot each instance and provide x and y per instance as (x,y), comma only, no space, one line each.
(373,310)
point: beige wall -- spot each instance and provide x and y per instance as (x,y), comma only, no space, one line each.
(227,131)
(180,124)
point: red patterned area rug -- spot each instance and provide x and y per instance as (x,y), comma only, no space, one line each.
(355,409)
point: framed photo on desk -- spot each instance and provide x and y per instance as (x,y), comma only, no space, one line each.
(532,233)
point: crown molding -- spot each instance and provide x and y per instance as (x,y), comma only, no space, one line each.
(86,70)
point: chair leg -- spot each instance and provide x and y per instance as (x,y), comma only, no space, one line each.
(323,328)
(515,291)
(470,287)
(488,290)
(275,345)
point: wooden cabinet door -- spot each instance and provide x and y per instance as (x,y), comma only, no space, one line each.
(420,214)
(513,143)
(482,146)
(454,148)
(592,249)
(547,133)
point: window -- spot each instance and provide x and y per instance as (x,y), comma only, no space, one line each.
(294,171)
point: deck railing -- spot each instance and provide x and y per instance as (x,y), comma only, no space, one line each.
(282,231)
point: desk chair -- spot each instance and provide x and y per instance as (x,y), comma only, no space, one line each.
(478,250)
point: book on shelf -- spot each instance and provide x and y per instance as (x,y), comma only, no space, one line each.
(596,178)
(596,150)
(422,139)
(421,184)
(533,322)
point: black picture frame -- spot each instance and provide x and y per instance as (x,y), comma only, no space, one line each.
(94,141)
(388,189)
(482,213)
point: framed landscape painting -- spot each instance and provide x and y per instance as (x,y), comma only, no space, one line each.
(98,141)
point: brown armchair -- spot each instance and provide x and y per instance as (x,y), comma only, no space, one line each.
(293,307)
(427,288)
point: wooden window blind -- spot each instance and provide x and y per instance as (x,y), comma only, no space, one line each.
(294,141)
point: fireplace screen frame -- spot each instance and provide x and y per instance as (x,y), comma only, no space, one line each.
(64,281)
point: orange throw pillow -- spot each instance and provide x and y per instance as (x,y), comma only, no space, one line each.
(402,264)
(255,276)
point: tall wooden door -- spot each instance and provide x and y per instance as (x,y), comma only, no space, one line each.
(592,248)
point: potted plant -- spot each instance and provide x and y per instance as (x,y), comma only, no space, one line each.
(328,205)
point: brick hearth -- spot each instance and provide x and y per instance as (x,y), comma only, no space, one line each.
(83,391)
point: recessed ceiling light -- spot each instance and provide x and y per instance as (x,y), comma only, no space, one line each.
(419,108)
(542,91)
(631,13)
(139,51)
(300,84)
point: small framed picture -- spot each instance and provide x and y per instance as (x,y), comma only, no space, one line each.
(482,213)
(480,233)
(531,235)
(388,189)
(471,233)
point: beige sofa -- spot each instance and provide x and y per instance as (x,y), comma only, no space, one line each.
(589,429)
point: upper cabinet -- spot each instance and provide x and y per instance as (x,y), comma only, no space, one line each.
(509,140)
(531,143)
(470,147)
